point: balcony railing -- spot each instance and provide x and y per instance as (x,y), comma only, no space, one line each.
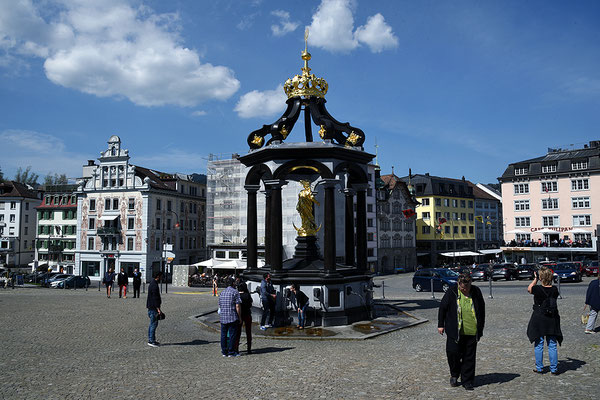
(108,231)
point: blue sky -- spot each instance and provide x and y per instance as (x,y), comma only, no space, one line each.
(451,88)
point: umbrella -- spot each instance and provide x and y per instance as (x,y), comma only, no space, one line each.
(548,231)
(206,263)
(578,230)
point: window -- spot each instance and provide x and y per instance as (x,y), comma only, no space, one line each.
(131,204)
(158,226)
(455,230)
(12,217)
(396,209)
(169,205)
(463,216)
(521,188)
(577,165)
(92,223)
(426,215)
(522,221)
(385,242)
(447,216)
(580,184)
(463,230)
(130,223)
(470,203)
(551,186)
(454,203)
(90,245)
(369,207)
(549,204)
(27,208)
(26,231)
(220,254)
(425,202)
(92,205)
(581,202)
(463,204)
(1,217)
(13,205)
(470,230)
(447,229)
(521,205)
(227,221)
(455,216)
(130,244)
(471,217)
(521,170)
(157,244)
(370,222)
(523,236)
(582,220)
(438,215)
(370,236)
(552,220)
(438,202)
(107,204)
(426,229)
(158,204)
(115,204)
(446,202)
(548,168)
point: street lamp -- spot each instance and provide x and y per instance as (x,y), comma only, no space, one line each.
(164,251)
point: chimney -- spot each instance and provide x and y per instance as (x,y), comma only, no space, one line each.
(90,163)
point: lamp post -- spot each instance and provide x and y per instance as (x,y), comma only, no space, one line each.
(164,251)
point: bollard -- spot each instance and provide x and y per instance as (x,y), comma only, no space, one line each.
(432,295)
(144,289)
(86,286)
(558,281)
(99,285)
(490,279)
(383,289)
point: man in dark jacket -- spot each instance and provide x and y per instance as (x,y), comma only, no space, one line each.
(153,305)
(462,317)
(122,280)
(137,283)
(592,299)
(268,296)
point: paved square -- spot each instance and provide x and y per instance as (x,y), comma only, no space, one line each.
(59,344)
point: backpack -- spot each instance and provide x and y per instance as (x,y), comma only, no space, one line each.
(549,307)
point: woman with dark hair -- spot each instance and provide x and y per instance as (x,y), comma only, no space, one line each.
(544,321)
(302,303)
(246,318)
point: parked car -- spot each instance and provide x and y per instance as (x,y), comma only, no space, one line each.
(481,272)
(77,281)
(592,269)
(45,277)
(505,271)
(442,279)
(568,272)
(57,277)
(548,264)
(526,271)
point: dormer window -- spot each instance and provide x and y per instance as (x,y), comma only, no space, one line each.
(578,165)
(548,168)
(521,170)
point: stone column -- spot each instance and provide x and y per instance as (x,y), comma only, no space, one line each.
(276,225)
(252,228)
(349,226)
(267,193)
(329,250)
(361,226)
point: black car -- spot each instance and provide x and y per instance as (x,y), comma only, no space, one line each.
(568,272)
(526,271)
(480,272)
(505,271)
(77,281)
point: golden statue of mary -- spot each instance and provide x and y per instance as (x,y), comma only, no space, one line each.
(305,207)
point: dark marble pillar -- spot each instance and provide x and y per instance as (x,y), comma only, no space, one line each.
(329,249)
(252,228)
(361,227)
(349,226)
(276,225)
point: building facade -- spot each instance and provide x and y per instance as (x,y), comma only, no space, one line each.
(57,229)
(130,217)
(488,219)
(551,204)
(445,224)
(396,231)
(17,224)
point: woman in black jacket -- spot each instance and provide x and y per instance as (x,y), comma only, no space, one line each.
(462,317)
(544,321)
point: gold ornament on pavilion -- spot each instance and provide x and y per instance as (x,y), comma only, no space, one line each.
(284,132)
(258,140)
(305,207)
(307,84)
(322,131)
(352,139)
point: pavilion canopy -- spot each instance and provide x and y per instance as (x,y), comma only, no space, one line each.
(460,254)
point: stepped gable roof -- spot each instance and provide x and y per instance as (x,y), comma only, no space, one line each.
(16,189)
(158,180)
(392,182)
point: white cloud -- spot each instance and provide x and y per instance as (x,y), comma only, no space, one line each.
(332,29)
(376,34)
(261,104)
(199,113)
(45,153)
(285,25)
(112,49)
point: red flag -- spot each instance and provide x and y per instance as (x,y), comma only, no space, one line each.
(442,221)
(409,213)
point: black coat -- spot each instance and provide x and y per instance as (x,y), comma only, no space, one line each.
(541,324)
(137,279)
(448,312)
(122,279)
(153,301)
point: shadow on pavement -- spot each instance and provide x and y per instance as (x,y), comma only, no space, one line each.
(265,350)
(496,377)
(409,305)
(570,364)
(196,342)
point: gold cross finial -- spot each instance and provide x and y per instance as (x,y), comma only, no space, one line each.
(306,39)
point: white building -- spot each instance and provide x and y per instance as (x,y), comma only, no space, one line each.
(17,224)
(126,213)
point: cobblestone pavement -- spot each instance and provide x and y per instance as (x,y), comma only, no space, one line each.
(59,344)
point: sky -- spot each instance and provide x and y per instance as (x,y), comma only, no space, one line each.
(453,88)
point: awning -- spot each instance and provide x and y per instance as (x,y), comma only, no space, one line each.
(517,231)
(548,231)
(108,217)
(460,254)
(490,251)
(206,263)
(577,230)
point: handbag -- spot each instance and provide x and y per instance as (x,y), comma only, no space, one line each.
(161,316)
(585,318)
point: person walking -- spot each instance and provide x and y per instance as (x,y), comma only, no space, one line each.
(461,317)
(137,283)
(267,298)
(301,303)
(592,300)
(230,305)
(246,318)
(109,278)
(545,320)
(122,281)
(215,284)
(153,303)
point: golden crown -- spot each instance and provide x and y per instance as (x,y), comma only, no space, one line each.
(306,84)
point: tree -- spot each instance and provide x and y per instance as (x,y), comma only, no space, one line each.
(27,177)
(1,175)
(56,179)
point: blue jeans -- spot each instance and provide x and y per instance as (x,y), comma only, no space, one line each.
(153,315)
(302,315)
(228,334)
(552,353)
(592,320)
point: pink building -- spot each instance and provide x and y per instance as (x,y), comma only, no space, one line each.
(551,205)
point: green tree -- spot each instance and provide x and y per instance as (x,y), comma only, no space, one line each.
(27,177)
(56,179)
(1,175)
